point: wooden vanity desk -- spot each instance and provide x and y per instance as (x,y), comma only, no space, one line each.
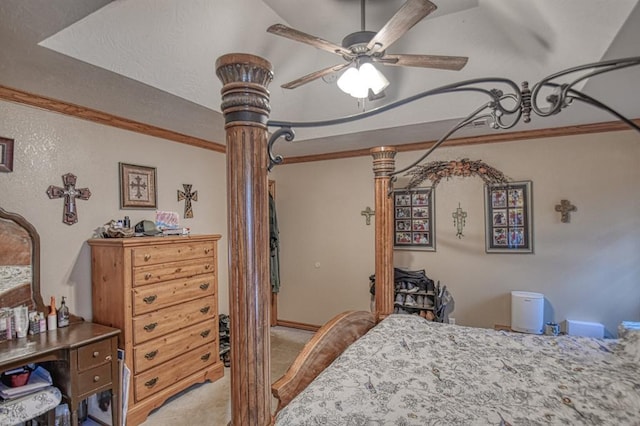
(82,359)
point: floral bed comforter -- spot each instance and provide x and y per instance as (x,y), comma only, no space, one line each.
(408,371)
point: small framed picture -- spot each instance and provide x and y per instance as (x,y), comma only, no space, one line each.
(6,155)
(413,219)
(138,188)
(509,223)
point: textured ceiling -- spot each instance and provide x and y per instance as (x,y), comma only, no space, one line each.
(153,60)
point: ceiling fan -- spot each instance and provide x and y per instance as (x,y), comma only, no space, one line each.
(366,47)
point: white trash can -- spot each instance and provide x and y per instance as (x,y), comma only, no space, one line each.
(527,312)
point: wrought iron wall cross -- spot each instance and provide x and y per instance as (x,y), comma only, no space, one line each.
(459,220)
(188,196)
(70,193)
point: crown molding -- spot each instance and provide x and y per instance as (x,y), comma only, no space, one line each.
(26,98)
(31,99)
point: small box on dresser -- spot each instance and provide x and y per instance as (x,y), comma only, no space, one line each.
(162,292)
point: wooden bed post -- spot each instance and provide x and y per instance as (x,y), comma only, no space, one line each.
(383,165)
(245,104)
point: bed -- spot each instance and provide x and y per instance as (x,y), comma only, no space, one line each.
(525,379)
(434,373)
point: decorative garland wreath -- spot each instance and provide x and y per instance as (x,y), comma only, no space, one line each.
(436,170)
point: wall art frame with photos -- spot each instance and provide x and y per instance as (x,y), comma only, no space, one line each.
(6,155)
(413,219)
(138,189)
(508,217)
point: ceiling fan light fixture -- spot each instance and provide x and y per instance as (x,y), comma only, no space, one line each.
(373,78)
(348,80)
(357,81)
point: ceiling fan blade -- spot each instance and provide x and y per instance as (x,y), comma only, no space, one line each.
(455,63)
(412,12)
(317,42)
(314,75)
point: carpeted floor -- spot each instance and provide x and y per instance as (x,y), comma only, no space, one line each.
(208,403)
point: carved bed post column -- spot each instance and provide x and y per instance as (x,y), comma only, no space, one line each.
(383,165)
(245,104)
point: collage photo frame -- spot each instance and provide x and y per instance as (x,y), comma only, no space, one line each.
(508,218)
(414,219)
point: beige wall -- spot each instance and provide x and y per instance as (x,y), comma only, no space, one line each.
(48,145)
(588,269)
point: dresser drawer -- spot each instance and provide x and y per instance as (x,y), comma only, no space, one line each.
(155,273)
(165,348)
(158,296)
(164,321)
(94,354)
(91,380)
(155,254)
(158,378)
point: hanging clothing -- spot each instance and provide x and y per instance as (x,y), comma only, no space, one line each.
(274,247)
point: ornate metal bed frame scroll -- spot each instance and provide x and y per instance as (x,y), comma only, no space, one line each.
(503,110)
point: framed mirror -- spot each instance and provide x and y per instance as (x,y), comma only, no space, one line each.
(19,263)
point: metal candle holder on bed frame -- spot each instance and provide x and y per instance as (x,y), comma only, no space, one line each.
(497,114)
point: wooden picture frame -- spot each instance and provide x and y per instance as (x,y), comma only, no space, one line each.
(508,219)
(6,155)
(138,188)
(413,219)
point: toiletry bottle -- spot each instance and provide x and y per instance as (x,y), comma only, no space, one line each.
(127,222)
(43,322)
(63,314)
(52,318)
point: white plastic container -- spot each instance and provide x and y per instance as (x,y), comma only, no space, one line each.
(584,328)
(527,312)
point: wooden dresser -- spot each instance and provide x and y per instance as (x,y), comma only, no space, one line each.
(162,292)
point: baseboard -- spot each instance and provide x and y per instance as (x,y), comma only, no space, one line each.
(298,325)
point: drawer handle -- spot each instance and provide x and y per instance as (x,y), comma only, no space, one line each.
(147,257)
(205,333)
(148,276)
(108,357)
(204,286)
(207,250)
(151,327)
(206,356)
(96,379)
(96,354)
(151,355)
(207,266)
(150,299)
(151,383)
(178,270)
(205,309)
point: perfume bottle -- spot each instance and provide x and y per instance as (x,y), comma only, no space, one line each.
(63,314)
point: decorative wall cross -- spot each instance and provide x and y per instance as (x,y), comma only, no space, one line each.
(368,213)
(565,208)
(70,193)
(459,220)
(188,196)
(137,185)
